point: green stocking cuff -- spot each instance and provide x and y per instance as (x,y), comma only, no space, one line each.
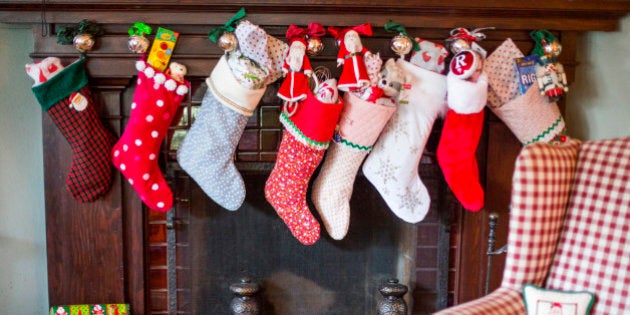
(57,88)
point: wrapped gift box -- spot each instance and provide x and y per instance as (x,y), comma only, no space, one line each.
(90,309)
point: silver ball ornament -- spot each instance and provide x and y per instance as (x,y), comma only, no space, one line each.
(138,43)
(401,44)
(83,42)
(458,45)
(228,42)
(314,46)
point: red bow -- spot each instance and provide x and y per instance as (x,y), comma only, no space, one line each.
(470,36)
(338,33)
(314,30)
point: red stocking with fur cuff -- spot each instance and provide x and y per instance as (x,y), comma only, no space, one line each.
(460,137)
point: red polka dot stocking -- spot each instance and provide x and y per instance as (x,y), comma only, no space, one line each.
(156,100)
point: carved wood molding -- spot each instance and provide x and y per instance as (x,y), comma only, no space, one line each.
(579,15)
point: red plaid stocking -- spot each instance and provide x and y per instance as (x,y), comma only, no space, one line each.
(69,104)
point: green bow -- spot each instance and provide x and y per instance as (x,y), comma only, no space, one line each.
(65,35)
(227,27)
(140,29)
(538,36)
(392,26)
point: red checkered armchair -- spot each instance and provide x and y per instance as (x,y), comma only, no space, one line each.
(569,227)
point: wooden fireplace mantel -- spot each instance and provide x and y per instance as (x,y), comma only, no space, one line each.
(104,243)
(581,15)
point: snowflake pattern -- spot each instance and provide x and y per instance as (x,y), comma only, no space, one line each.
(397,126)
(387,170)
(410,200)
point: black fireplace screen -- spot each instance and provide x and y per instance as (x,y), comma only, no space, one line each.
(208,248)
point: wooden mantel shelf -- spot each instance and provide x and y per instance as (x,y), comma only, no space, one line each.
(578,15)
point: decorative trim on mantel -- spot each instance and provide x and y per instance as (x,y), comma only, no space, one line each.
(577,15)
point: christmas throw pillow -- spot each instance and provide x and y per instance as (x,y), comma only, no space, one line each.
(539,301)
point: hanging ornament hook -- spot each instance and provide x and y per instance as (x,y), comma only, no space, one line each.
(402,43)
(82,36)
(224,35)
(137,42)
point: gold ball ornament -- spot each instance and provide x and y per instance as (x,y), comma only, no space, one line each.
(551,49)
(228,42)
(401,44)
(138,43)
(83,42)
(314,46)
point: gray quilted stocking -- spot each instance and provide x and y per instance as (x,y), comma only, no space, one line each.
(207,152)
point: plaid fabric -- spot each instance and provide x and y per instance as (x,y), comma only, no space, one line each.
(540,192)
(90,174)
(502,301)
(594,248)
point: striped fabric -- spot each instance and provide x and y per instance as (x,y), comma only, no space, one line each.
(594,248)
(540,190)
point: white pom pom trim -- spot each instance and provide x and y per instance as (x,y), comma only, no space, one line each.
(170,85)
(149,72)
(140,65)
(182,90)
(159,78)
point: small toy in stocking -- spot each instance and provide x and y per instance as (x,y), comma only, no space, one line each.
(517,101)
(351,55)
(155,104)
(550,75)
(467,93)
(309,130)
(429,56)
(64,95)
(386,82)
(297,66)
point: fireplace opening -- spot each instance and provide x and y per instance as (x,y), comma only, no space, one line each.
(199,249)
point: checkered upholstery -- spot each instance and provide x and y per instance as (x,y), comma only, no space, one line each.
(540,191)
(586,247)
(594,248)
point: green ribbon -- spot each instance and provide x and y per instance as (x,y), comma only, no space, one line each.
(140,29)
(392,26)
(538,36)
(227,27)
